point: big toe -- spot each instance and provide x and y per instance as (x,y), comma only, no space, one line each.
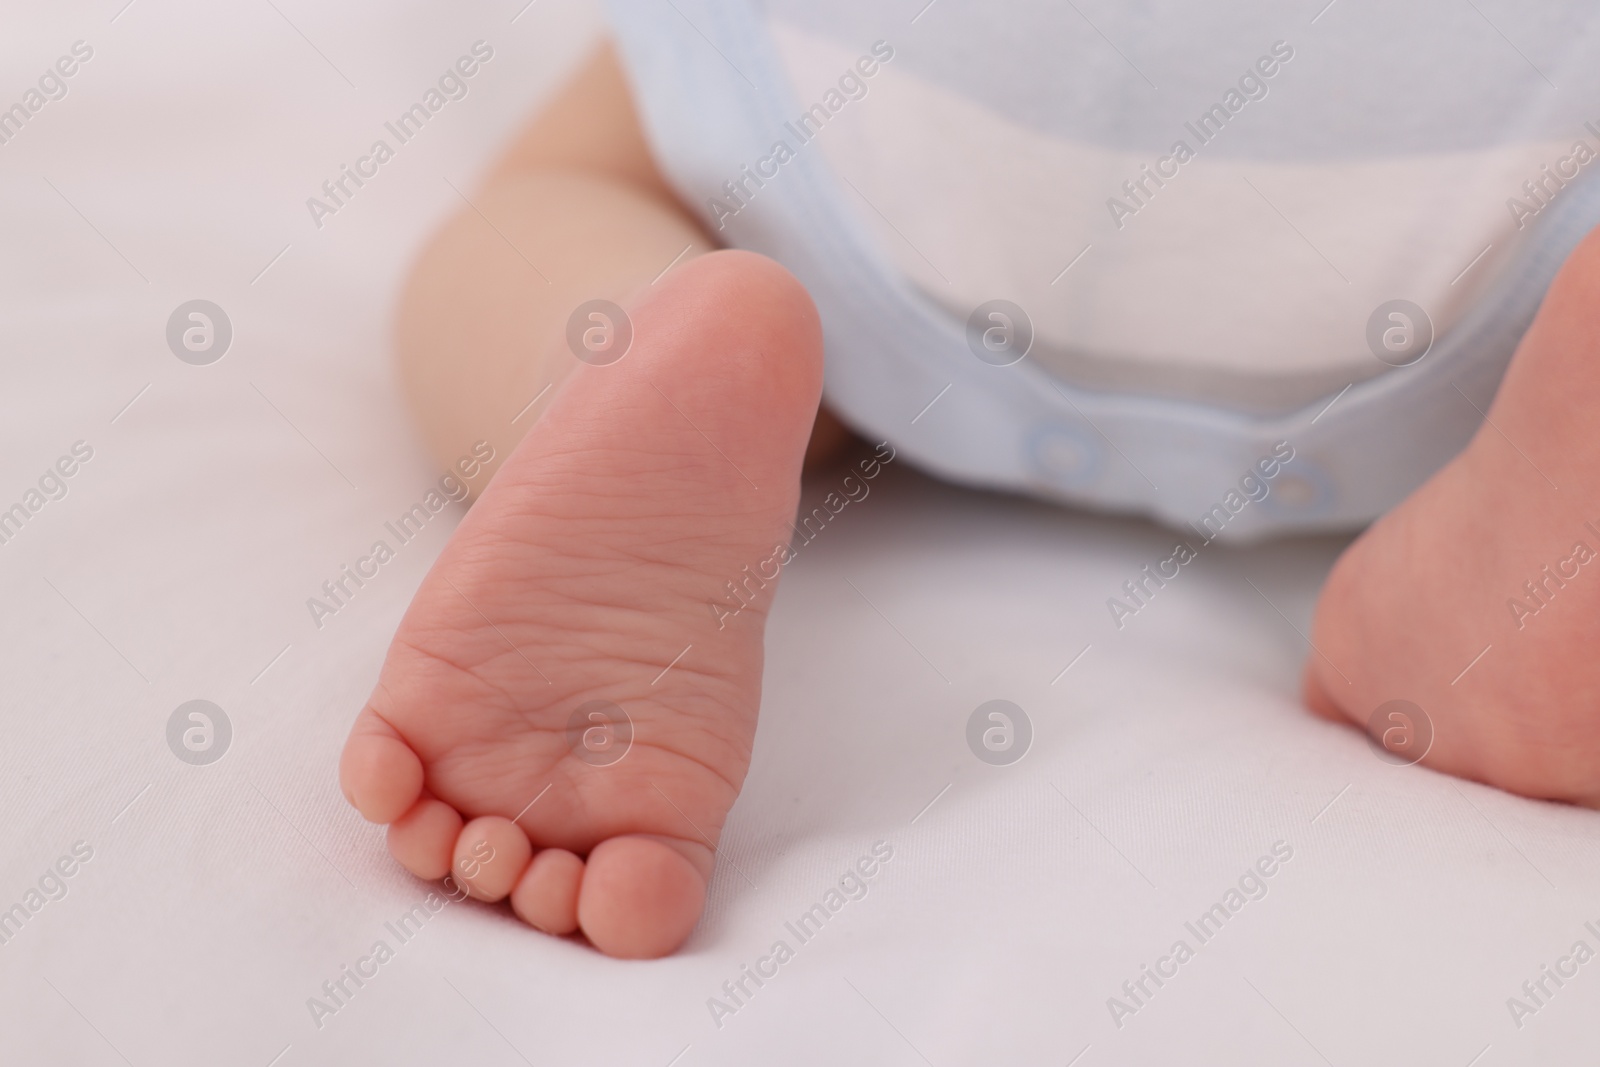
(640,897)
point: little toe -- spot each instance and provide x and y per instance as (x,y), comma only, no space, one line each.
(546,896)
(640,897)
(423,840)
(380,775)
(490,855)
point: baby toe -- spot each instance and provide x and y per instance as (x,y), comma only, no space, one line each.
(546,896)
(380,775)
(423,840)
(490,855)
(640,898)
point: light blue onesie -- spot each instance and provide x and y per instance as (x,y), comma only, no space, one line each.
(1132,255)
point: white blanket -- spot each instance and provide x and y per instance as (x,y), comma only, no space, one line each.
(172,912)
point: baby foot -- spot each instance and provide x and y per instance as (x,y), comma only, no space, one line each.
(1478,598)
(582,579)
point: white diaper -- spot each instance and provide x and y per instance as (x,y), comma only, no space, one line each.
(1119,263)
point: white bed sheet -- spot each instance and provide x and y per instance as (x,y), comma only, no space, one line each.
(217,899)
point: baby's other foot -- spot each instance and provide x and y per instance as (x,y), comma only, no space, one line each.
(581,581)
(1478,598)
